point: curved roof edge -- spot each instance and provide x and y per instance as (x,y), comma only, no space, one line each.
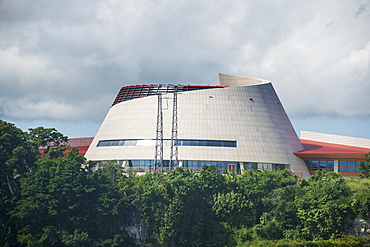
(237,81)
(139,91)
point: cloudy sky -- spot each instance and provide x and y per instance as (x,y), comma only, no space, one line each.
(63,62)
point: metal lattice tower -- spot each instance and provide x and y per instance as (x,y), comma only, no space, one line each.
(159,136)
(174,159)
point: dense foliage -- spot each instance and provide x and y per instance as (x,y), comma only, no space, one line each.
(365,166)
(56,200)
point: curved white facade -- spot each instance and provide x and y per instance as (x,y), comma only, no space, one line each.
(246,111)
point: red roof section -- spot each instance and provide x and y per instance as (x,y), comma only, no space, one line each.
(82,144)
(323,150)
(323,147)
(77,142)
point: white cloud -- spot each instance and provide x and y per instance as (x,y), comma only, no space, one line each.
(37,110)
(68,59)
(322,61)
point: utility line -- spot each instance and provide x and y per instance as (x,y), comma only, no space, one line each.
(81,121)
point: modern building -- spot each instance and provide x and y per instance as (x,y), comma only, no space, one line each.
(240,123)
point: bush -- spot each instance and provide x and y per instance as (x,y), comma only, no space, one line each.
(345,241)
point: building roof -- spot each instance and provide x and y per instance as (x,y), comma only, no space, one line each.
(323,150)
(77,142)
(81,143)
(140,91)
(336,139)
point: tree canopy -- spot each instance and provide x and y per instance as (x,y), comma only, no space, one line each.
(365,166)
(56,200)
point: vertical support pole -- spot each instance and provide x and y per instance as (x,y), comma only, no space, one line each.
(336,166)
(241,164)
(159,136)
(174,159)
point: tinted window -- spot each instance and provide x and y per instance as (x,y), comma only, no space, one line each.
(167,142)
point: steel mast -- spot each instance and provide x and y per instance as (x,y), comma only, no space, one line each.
(159,136)
(174,159)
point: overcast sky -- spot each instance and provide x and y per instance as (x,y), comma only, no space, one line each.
(63,62)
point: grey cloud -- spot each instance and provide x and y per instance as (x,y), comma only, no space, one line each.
(71,58)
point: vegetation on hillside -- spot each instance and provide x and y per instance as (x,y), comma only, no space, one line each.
(52,200)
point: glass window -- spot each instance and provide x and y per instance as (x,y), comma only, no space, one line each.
(114,143)
(102,163)
(349,166)
(129,163)
(229,144)
(204,143)
(145,143)
(278,167)
(130,142)
(314,165)
(149,163)
(251,165)
(167,142)
(197,165)
(187,143)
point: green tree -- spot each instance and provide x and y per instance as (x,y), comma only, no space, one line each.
(63,203)
(323,205)
(234,208)
(360,190)
(112,210)
(16,157)
(365,166)
(258,204)
(177,207)
(19,152)
(191,220)
(280,216)
(148,195)
(257,190)
(53,142)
